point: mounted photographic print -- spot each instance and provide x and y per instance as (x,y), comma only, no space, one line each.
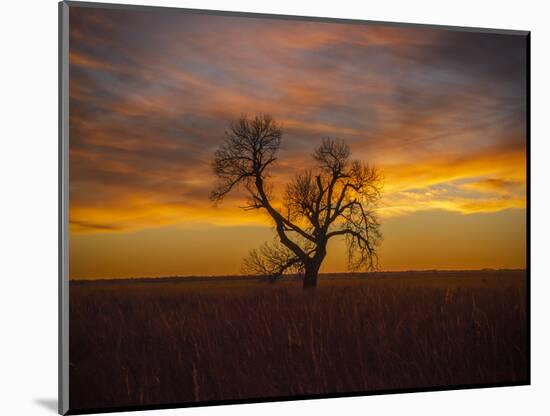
(260,208)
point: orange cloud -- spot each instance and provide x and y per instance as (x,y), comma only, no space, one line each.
(506,164)
(147,112)
(498,186)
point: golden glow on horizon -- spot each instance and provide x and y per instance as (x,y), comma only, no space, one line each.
(423,240)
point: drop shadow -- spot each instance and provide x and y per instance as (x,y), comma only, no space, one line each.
(49,404)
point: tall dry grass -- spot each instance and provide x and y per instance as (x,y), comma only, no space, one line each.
(160,343)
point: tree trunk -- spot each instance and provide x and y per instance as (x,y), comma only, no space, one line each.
(310,276)
(312,267)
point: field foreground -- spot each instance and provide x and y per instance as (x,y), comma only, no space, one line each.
(184,340)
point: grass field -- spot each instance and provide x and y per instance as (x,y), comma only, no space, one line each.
(183,340)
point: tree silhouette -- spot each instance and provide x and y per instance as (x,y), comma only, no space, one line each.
(336,198)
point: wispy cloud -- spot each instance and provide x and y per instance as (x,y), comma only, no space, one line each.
(440,112)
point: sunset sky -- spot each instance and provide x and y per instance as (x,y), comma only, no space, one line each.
(441,113)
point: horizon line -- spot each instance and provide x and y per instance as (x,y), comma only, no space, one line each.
(293,275)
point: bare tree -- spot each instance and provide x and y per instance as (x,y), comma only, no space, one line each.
(337,197)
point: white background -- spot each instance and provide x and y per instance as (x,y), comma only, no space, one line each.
(28,203)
